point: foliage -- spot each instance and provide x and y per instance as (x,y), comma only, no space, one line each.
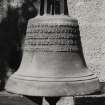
(14,18)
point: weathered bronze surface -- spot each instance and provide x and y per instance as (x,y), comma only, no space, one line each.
(53,63)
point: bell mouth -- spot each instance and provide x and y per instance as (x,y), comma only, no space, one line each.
(87,85)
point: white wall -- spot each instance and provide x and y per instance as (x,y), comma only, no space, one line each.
(91,18)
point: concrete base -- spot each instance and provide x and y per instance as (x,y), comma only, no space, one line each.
(13,99)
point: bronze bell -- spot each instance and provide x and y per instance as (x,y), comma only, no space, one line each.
(53,63)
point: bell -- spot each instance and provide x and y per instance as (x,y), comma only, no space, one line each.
(53,63)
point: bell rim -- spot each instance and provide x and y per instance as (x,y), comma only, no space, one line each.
(54,88)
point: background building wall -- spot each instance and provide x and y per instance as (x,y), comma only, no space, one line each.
(91,18)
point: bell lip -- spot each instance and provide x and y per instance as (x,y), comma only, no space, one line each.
(36,88)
